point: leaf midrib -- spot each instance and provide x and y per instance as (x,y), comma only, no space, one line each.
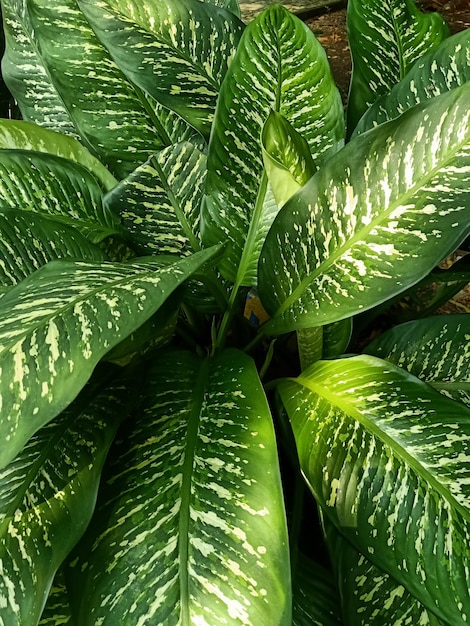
(350,410)
(363,232)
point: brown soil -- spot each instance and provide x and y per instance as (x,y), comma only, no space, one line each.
(330,30)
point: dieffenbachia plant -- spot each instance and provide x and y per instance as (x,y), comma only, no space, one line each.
(178,205)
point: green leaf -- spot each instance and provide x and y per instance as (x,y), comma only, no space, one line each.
(28,241)
(386,37)
(57,611)
(369,595)
(47,497)
(57,324)
(25,136)
(25,75)
(113,119)
(440,70)
(315,597)
(279,66)
(190,527)
(286,157)
(336,337)
(436,349)
(230,5)
(159,203)
(373,221)
(175,51)
(387,459)
(57,188)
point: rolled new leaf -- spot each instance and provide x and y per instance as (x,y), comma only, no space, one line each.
(436,349)
(377,217)
(386,37)
(59,322)
(442,69)
(280,66)
(387,458)
(47,497)
(190,526)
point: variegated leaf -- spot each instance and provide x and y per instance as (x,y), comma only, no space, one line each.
(286,157)
(369,596)
(436,349)
(58,323)
(374,220)
(230,5)
(316,600)
(25,75)
(47,497)
(19,135)
(176,51)
(386,37)
(191,526)
(387,458)
(28,241)
(159,203)
(442,69)
(58,188)
(109,114)
(57,611)
(279,66)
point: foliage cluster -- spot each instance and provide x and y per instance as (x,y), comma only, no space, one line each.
(193,248)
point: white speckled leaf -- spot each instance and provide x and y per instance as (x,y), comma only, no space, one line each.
(279,65)
(374,220)
(436,349)
(57,611)
(159,203)
(25,75)
(386,37)
(230,5)
(58,323)
(191,526)
(50,186)
(25,136)
(369,596)
(175,51)
(28,241)
(442,69)
(388,459)
(47,497)
(110,115)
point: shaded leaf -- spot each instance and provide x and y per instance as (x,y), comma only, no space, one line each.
(436,349)
(191,525)
(280,66)
(176,51)
(47,497)
(374,220)
(315,596)
(57,324)
(387,459)
(28,241)
(57,611)
(386,37)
